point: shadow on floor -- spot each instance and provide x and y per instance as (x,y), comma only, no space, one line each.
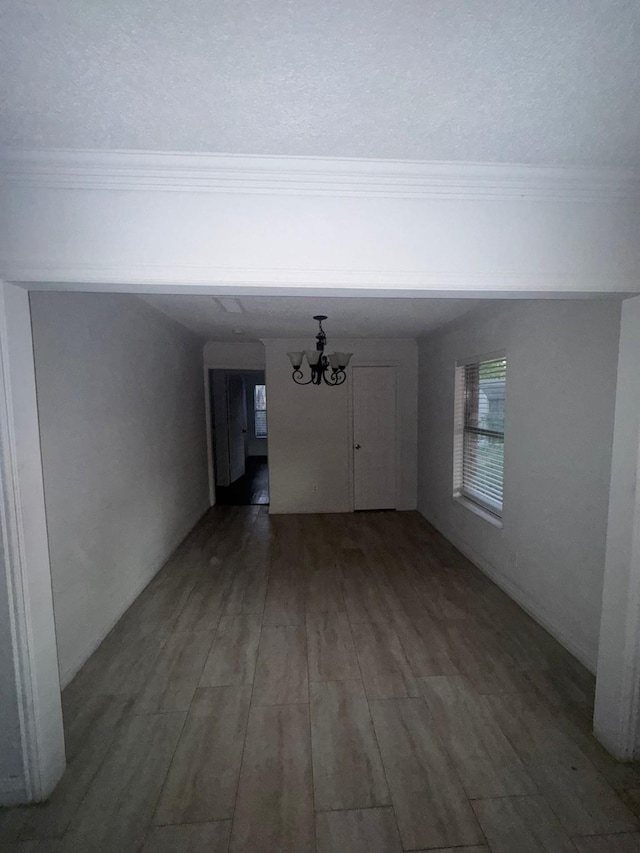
(249,490)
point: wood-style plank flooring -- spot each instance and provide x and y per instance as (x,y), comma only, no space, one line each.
(336,683)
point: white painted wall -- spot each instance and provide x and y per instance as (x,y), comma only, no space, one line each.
(560,395)
(310,433)
(123,441)
(221,355)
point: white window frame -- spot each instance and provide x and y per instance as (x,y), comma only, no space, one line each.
(479,504)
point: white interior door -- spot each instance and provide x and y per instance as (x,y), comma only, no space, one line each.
(237,404)
(374,438)
(220,417)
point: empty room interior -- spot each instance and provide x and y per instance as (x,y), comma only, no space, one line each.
(320,427)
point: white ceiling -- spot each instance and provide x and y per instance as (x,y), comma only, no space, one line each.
(532,81)
(292,316)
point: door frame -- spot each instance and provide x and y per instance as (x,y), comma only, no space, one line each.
(208,415)
(24,556)
(387,362)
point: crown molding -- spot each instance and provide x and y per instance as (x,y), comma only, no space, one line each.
(155,278)
(228,173)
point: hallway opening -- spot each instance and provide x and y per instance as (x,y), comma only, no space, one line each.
(238,406)
(251,489)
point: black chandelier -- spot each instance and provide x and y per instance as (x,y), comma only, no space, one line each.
(330,367)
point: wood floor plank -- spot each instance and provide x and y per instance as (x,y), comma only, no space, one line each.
(203,607)
(347,768)
(232,659)
(631,797)
(90,735)
(478,655)
(123,661)
(525,824)
(383,663)
(323,579)
(118,808)
(581,798)
(566,690)
(202,780)
(362,598)
(246,593)
(175,673)
(429,800)
(357,831)
(189,838)
(424,643)
(485,760)
(284,604)
(11,822)
(481,848)
(323,591)
(627,843)
(619,775)
(255,591)
(281,672)
(330,647)
(274,809)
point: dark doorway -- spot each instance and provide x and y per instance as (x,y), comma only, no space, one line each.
(251,488)
(239,437)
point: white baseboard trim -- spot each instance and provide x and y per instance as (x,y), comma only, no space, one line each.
(528,603)
(13,791)
(69,674)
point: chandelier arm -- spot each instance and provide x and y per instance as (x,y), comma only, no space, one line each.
(337,377)
(297,377)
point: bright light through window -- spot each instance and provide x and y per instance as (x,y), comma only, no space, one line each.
(479,435)
(260,410)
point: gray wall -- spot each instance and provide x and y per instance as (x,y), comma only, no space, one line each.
(560,396)
(121,405)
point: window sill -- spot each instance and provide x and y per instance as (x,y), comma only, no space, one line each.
(492,519)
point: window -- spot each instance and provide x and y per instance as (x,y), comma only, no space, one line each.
(260,410)
(479,432)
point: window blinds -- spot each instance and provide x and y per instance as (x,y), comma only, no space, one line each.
(261,423)
(482,469)
(260,410)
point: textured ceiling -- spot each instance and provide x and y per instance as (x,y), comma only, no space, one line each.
(532,81)
(292,316)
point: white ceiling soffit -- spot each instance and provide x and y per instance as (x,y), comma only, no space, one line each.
(528,81)
(292,316)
